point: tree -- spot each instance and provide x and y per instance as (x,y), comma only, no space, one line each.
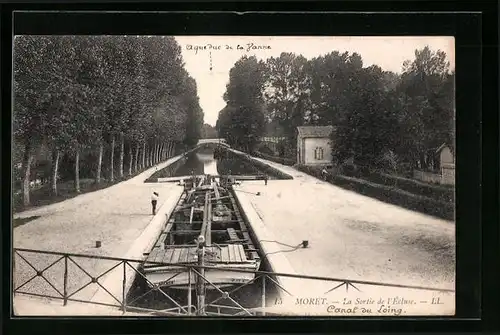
(208,131)
(333,86)
(74,93)
(242,122)
(287,93)
(30,77)
(427,89)
(194,119)
(364,128)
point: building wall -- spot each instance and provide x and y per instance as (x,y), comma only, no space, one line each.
(447,163)
(274,139)
(446,157)
(426,176)
(448,175)
(310,145)
(299,150)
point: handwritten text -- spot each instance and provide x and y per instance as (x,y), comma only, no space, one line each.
(247,47)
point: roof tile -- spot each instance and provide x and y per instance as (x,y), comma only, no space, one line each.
(315,131)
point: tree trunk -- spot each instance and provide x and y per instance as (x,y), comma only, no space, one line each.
(157,158)
(55,167)
(172,149)
(112,163)
(159,152)
(131,160)
(163,151)
(77,171)
(150,155)
(99,164)
(136,161)
(28,159)
(143,164)
(122,153)
(155,151)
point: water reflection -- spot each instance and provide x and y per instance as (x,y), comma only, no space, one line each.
(203,162)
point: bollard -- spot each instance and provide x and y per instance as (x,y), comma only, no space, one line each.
(97,244)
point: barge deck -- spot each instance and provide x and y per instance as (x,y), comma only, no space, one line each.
(207,219)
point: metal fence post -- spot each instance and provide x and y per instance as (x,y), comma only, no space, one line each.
(124,282)
(65,284)
(263,297)
(200,282)
(189,291)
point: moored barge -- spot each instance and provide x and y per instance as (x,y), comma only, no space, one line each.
(206,213)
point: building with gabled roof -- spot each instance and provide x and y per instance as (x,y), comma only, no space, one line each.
(313,145)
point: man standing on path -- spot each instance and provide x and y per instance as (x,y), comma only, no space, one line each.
(324,174)
(154,200)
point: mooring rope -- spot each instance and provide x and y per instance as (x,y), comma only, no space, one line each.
(293,248)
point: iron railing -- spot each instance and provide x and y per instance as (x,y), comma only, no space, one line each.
(195,277)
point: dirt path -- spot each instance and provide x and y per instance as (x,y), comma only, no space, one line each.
(354,236)
(116,216)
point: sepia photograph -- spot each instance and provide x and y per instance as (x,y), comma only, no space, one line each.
(233,176)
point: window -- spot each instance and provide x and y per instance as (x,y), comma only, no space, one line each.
(318,153)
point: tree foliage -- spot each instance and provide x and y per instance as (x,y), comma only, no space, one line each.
(288,82)
(242,122)
(81,93)
(208,131)
(379,117)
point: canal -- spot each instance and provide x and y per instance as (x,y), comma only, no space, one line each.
(202,161)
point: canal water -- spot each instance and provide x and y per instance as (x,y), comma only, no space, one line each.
(202,161)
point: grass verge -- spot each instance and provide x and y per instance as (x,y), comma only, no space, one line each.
(279,160)
(389,194)
(21,221)
(262,167)
(436,192)
(43,195)
(166,172)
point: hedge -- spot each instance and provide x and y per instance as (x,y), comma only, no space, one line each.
(439,193)
(170,170)
(389,194)
(279,160)
(265,168)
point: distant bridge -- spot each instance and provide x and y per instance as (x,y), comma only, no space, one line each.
(220,141)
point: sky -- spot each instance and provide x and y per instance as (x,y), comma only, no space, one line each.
(222,52)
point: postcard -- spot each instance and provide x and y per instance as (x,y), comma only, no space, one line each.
(233,176)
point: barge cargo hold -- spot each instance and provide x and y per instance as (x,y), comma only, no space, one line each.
(207,219)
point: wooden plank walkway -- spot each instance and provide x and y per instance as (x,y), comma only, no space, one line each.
(231,253)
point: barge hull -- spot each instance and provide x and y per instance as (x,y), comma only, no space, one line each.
(207,221)
(219,278)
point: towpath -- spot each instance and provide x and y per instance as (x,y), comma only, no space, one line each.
(116,216)
(350,236)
